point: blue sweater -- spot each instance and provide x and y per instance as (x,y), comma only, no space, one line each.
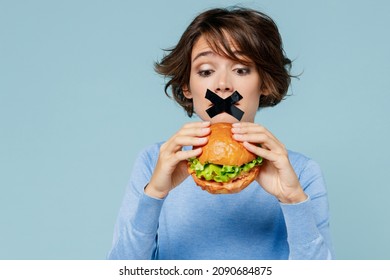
(192,224)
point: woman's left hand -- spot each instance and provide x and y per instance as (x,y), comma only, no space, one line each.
(276,176)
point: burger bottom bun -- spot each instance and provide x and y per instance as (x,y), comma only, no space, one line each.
(230,187)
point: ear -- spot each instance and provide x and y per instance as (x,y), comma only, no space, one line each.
(263,94)
(186,92)
(267,86)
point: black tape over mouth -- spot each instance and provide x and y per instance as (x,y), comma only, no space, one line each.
(226,105)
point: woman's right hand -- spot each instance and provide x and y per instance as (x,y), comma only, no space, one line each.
(171,167)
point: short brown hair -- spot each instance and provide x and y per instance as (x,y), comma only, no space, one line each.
(254,34)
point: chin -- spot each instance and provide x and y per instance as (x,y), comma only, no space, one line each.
(223,118)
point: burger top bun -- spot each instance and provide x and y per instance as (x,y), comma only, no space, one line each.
(223,149)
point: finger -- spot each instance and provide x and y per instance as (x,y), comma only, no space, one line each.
(264,153)
(183,136)
(195,129)
(278,160)
(250,128)
(260,138)
(194,132)
(184,155)
(196,124)
(181,141)
(169,162)
(177,143)
(253,128)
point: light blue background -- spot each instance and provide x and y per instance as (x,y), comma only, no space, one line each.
(79,98)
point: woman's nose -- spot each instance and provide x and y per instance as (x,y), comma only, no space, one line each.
(223,84)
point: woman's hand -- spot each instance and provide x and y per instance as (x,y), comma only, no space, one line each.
(276,176)
(171,167)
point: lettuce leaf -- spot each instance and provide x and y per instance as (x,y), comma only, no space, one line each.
(221,173)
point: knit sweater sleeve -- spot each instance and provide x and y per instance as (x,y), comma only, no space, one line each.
(135,231)
(308,232)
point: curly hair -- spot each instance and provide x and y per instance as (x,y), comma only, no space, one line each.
(255,35)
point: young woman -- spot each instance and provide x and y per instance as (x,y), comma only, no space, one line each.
(283,214)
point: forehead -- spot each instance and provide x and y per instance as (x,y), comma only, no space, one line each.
(201,45)
(225,47)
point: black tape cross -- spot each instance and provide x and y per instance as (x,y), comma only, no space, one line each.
(221,105)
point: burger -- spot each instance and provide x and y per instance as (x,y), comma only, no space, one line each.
(225,165)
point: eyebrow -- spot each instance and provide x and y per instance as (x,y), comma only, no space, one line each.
(206,53)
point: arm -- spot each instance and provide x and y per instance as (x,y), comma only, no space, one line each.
(135,231)
(307,222)
(156,172)
(299,187)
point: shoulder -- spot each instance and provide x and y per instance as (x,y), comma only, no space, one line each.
(303,165)
(297,160)
(142,168)
(150,153)
(146,160)
(309,173)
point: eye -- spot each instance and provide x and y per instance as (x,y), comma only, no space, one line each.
(205,73)
(242,71)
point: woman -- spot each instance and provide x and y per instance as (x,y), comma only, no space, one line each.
(282,215)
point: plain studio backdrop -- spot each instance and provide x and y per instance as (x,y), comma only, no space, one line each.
(79,99)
